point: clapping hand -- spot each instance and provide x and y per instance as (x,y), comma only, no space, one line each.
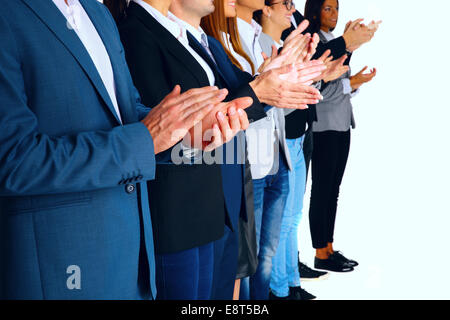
(335,68)
(360,78)
(356,33)
(221,124)
(292,93)
(172,118)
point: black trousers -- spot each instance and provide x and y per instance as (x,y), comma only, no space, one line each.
(329,159)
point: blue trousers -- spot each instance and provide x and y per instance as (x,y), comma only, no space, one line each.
(226,252)
(270,194)
(185,275)
(285,263)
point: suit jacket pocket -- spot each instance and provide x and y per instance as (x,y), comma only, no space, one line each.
(20,205)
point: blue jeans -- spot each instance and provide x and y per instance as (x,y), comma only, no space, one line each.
(185,275)
(285,263)
(270,194)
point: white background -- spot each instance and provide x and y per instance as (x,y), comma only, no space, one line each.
(394,213)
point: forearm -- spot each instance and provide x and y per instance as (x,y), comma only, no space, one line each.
(35,163)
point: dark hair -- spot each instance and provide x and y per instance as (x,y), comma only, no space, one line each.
(257,15)
(117,8)
(313,10)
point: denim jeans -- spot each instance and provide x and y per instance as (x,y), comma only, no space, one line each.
(185,275)
(270,194)
(285,263)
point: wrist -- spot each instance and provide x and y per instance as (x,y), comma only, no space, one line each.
(255,85)
(353,83)
(347,40)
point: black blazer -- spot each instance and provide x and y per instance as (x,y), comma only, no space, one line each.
(337,46)
(186,201)
(295,121)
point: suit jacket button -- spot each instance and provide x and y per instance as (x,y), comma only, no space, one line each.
(129,188)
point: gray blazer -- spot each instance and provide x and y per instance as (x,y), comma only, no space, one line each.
(335,111)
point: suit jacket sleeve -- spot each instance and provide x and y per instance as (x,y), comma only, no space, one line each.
(337,47)
(257,110)
(32,162)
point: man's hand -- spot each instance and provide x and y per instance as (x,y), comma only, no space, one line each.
(171,119)
(356,34)
(229,117)
(270,89)
(226,128)
(360,78)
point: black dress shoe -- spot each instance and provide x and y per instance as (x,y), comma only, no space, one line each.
(332,264)
(298,293)
(341,257)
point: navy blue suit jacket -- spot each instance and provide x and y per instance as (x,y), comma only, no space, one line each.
(70,173)
(233,175)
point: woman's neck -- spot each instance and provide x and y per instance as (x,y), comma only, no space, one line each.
(160,5)
(272,30)
(244,13)
(325,29)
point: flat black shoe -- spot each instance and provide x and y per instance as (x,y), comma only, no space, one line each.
(332,264)
(308,274)
(298,293)
(341,257)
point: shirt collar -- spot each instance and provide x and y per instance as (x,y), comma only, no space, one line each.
(328,35)
(279,44)
(166,22)
(197,33)
(252,29)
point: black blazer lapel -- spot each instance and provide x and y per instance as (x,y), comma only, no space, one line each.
(202,53)
(56,22)
(173,46)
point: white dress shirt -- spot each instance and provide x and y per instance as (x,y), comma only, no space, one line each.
(294,23)
(79,21)
(250,33)
(345,81)
(202,38)
(262,138)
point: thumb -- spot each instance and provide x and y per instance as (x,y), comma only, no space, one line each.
(303,25)
(274,51)
(265,57)
(356,23)
(175,92)
(363,69)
